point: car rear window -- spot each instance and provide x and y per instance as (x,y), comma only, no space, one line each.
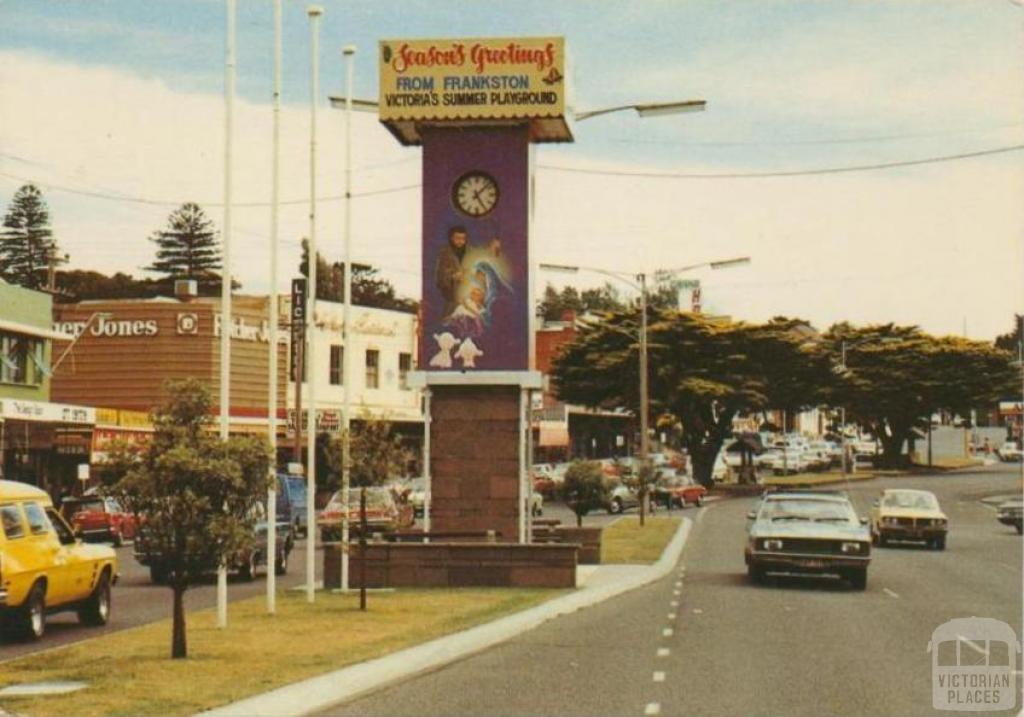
(37,521)
(10,519)
(81,506)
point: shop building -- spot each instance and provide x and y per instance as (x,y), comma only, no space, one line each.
(41,442)
(127,350)
(383,346)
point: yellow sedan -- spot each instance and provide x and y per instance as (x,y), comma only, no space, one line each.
(901,514)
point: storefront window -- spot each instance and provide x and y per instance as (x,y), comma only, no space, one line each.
(337,370)
(372,368)
(404,366)
(21,360)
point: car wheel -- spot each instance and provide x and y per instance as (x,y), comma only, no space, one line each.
(1020,529)
(116,539)
(874,538)
(95,610)
(615,506)
(31,619)
(882,540)
(755,573)
(281,564)
(248,569)
(939,543)
(700,501)
(858,578)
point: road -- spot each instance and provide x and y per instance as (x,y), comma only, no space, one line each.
(137,601)
(706,641)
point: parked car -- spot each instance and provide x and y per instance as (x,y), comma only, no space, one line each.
(384,514)
(678,491)
(902,514)
(416,495)
(1012,513)
(45,568)
(293,488)
(99,519)
(785,460)
(808,533)
(246,563)
(620,498)
(1010,452)
(821,454)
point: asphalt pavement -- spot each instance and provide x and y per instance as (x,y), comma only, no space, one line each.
(704,640)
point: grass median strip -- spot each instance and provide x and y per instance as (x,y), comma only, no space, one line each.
(130,672)
(816,479)
(626,542)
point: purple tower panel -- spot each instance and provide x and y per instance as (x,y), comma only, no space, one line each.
(476,314)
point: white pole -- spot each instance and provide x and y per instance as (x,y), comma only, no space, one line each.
(348,52)
(225,281)
(524,426)
(314,12)
(272,323)
(426,462)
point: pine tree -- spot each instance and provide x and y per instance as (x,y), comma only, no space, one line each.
(27,244)
(188,246)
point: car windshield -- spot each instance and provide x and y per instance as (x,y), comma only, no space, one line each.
(916,501)
(376,498)
(80,506)
(818,511)
(296,489)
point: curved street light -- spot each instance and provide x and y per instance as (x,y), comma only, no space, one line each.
(641,287)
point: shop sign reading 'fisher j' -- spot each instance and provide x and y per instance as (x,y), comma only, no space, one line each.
(475,105)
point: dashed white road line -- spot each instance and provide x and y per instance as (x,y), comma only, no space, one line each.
(677,592)
(652,708)
(671,616)
(667,632)
(659,676)
(663,652)
(890,593)
(697,611)
(674,603)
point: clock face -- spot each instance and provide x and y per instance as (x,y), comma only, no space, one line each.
(475,194)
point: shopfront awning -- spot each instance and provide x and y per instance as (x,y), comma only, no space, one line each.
(30,330)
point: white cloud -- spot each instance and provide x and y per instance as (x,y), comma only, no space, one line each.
(927,245)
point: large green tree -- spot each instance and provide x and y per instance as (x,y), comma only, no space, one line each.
(195,494)
(896,377)
(27,245)
(703,371)
(188,247)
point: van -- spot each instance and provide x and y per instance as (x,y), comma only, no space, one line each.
(45,567)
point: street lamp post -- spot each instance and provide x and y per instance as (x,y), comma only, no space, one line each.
(640,286)
(314,12)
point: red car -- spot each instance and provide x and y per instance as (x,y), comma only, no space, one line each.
(678,491)
(99,519)
(384,514)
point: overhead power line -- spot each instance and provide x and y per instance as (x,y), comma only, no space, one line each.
(791,173)
(552,167)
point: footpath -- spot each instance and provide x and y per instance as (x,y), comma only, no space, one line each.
(595,584)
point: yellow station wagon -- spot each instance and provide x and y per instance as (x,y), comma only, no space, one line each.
(903,514)
(45,568)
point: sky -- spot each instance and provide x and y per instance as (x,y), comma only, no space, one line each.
(867,156)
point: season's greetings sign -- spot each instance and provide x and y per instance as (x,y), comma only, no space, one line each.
(488,78)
